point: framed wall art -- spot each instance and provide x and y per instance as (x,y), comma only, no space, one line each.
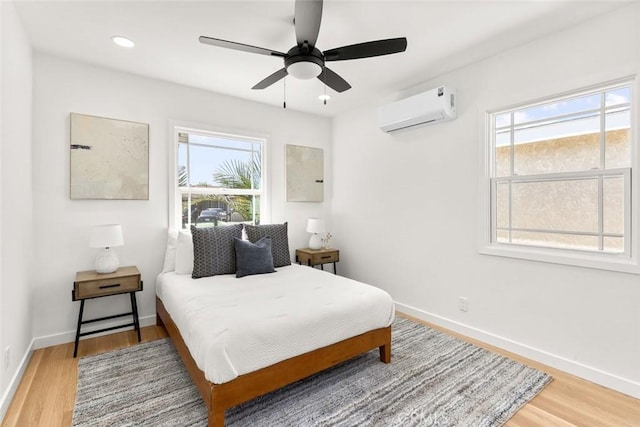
(109,158)
(304,174)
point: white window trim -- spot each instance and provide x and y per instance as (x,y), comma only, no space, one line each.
(174,193)
(612,262)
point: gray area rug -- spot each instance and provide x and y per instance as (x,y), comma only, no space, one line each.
(433,380)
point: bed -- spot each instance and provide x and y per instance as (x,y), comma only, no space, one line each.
(240,338)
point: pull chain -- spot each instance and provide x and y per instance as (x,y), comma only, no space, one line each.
(284,96)
(324,97)
(325,90)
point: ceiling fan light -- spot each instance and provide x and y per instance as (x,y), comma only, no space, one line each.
(304,70)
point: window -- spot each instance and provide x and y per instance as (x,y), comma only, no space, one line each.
(560,177)
(218,178)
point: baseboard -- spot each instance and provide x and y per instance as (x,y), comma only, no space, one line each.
(588,373)
(70,336)
(7,397)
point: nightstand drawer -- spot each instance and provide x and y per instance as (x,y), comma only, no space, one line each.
(319,257)
(324,258)
(96,288)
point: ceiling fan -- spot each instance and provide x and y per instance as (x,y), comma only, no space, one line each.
(305,60)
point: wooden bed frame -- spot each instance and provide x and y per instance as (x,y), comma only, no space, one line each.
(220,397)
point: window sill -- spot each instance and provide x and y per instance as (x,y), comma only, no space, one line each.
(619,263)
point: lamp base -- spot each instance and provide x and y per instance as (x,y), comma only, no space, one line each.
(106,261)
(315,242)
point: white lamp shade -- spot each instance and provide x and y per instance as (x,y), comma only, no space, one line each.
(106,236)
(315,225)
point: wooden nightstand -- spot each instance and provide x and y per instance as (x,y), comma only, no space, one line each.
(89,284)
(319,257)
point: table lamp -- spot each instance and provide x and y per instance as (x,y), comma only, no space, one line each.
(106,237)
(315,226)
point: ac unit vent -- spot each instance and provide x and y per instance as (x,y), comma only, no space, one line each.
(429,107)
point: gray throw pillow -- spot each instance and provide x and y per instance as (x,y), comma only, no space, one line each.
(279,241)
(253,258)
(214,251)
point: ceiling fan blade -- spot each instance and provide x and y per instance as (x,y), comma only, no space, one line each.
(367,49)
(239,46)
(334,81)
(308,15)
(278,75)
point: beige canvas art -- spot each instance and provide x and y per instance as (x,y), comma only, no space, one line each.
(109,158)
(305,174)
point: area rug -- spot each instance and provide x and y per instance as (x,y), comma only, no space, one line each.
(433,380)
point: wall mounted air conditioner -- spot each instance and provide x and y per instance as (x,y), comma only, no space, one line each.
(433,106)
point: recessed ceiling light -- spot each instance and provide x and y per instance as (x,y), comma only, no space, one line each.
(123,41)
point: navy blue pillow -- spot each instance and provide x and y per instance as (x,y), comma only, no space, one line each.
(253,258)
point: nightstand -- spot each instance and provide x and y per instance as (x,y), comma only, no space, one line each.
(89,284)
(319,257)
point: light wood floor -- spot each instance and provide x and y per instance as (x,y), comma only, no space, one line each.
(47,391)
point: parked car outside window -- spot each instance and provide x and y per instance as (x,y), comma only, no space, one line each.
(212,215)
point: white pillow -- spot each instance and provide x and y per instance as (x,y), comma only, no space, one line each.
(170,253)
(184,253)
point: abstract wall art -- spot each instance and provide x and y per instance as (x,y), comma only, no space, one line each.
(304,174)
(109,158)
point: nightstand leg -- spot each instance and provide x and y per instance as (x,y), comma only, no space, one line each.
(75,348)
(134,309)
(334,268)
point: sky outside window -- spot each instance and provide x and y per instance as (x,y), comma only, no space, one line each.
(589,122)
(208,153)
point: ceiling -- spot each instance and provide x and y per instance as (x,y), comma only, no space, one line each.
(442,36)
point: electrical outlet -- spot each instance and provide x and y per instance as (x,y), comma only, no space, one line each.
(463,304)
(7,357)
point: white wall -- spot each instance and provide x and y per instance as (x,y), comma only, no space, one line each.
(16,225)
(62,226)
(406,214)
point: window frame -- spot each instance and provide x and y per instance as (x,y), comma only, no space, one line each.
(625,262)
(176,193)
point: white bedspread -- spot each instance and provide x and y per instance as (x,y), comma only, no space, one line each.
(236,326)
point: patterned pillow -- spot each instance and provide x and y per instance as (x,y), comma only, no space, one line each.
(253,258)
(279,241)
(213,250)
